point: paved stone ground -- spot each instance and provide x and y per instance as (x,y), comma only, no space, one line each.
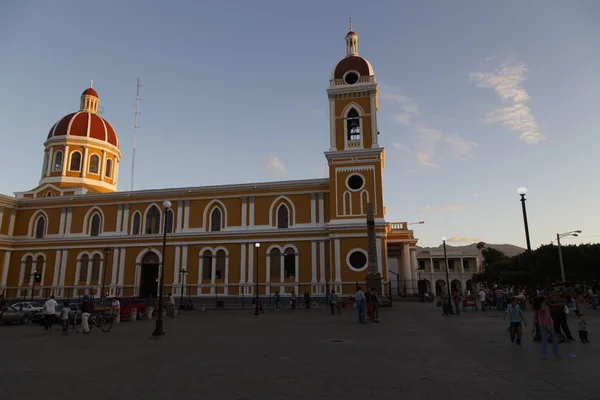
(415,353)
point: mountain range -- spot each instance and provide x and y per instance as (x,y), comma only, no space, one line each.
(508,249)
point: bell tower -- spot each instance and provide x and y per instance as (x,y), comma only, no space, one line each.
(354,157)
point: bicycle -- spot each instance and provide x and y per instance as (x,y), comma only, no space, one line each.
(101,321)
(278,306)
(313,304)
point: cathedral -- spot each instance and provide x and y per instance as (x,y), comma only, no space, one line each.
(75,233)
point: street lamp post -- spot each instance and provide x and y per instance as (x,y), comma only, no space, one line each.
(257,246)
(560,257)
(33,284)
(106,253)
(183,273)
(522,191)
(158,330)
(447,275)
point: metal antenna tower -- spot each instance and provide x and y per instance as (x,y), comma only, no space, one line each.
(136,127)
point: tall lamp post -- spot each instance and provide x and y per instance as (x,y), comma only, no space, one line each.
(106,253)
(34,275)
(183,273)
(447,275)
(560,257)
(522,191)
(257,246)
(158,331)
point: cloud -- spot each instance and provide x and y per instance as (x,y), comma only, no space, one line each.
(507,82)
(405,110)
(458,145)
(469,239)
(476,195)
(401,147)
(446,208)
(275,166)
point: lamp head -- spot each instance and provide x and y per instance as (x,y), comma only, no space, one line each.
(167,204)
(257,245)
(577,231)
(106,250)
(522,191)
(444,239)
(574,234)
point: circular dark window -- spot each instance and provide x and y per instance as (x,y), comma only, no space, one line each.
(357,260)
(351,78)
(355,182)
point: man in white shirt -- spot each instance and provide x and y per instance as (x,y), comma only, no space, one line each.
(49,312)
(360,300)
(482,296)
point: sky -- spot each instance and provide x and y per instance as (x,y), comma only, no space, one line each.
(476,100)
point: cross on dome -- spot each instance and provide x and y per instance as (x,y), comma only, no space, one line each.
(92,82)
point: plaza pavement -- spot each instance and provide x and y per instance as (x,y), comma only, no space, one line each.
(414,353)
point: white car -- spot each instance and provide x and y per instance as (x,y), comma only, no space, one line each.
(29,307)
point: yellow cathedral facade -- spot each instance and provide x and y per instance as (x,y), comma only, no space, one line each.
(75,233)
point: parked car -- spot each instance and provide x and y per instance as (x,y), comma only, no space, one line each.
(127,303)
(74,315)
(13,316)
(29,307)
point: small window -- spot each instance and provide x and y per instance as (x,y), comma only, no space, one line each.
(83,270)
(39,266)
(289,263)
(95,226)
(282,217)
(207,265)
(436,265)
(108,172)
(28,268)
(466,265)
(40,227)
(169,221)
(215,220)
(355,182)
(75,161)
(451,265)
(94,164)
(96,260)
(58,161)
(153,220)
(351,78)
(358,260)
(220,267)
(137,221)
(421,265)
(275,266)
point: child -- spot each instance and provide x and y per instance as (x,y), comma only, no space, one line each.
(542,318)
(64,317)
(369,312)
(582,327)
(516,316)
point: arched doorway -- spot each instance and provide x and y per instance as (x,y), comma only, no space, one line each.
(456,285)
(440,287)
(471,286)
(149,275)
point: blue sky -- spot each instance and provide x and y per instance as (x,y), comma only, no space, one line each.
(476,99)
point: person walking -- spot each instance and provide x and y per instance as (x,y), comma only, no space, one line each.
(482,297)
(333,300)
(543,319)
(374,301)
(86,310)
(516,316)
(556,303)
(360,300)
(582,327)
(49,312)
(64,317)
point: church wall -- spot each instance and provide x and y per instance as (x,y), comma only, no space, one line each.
(24,217)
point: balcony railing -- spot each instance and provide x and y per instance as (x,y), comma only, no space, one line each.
(362,79)
(399,226)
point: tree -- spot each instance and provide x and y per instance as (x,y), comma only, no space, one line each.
(494,262)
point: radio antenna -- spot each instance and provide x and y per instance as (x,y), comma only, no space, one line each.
(136,127)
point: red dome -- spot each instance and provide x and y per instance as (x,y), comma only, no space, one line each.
(89,92)
(85,124)
(352,63)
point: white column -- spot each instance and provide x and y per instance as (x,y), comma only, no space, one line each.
(103,165)
(63,269)
(119,218)
(50,161)
(116,178)
(242,268)
(1,215)
(322,279)
(186,220)
(5,266)
(332,145)
(244,211)
(115,270)
(69,219)
(56,269)
(406,268)
(122,266)
(61,223)
(379,258)
(226,280)
(11,222)
(250,264)
(125,226)
(176,269)
(65,161)
(338,267)
(313,208)
(414,263)
(179,216)
(313,264)
(251,219)
(281,272)
(321,209)
(297,272)
(374,120)
(84,161)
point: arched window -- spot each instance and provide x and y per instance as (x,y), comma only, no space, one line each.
(275,264)
(169,221)
(289,263)
(353,125)
(95,226)
(108,168)
(40,227)
(283,217)
(94,164)
(96,260)
(215,220)
(220,267)
(83,270)
(75,161)
(39,265)
(58,161)
(153,220)
(207,265)
(28,268)
(137,222)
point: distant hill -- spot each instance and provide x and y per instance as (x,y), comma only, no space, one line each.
(508,249)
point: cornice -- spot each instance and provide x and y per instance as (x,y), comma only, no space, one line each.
(340,154)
